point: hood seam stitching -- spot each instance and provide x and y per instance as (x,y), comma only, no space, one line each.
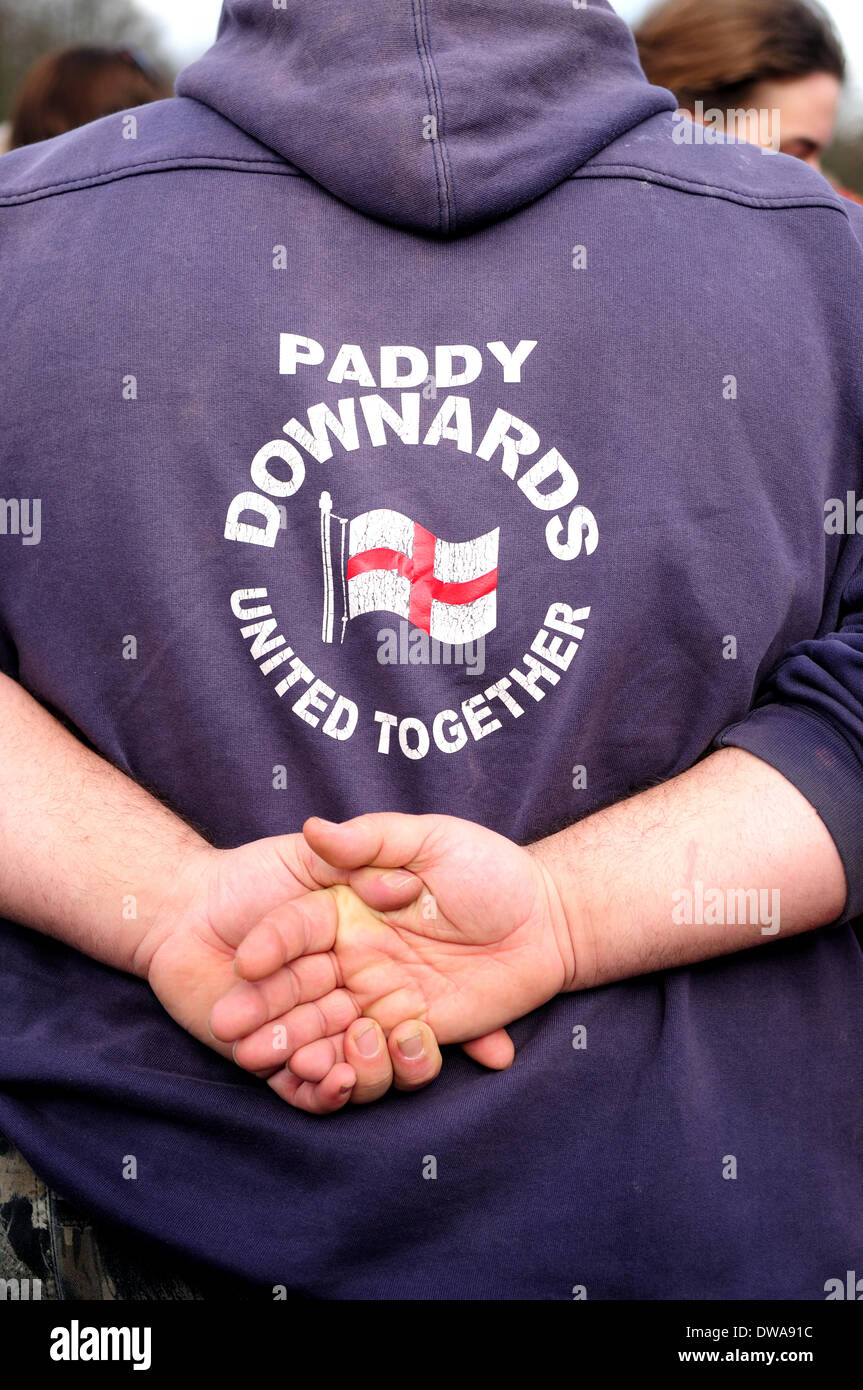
(192,164)
(434,99)
(174,163)
(760,202)
(444,149)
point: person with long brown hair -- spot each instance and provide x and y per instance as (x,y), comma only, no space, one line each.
(770,55)
(73,86)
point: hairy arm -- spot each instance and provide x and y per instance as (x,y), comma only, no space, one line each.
(653,882)
(82,847)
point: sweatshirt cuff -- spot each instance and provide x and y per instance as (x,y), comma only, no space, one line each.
(821,764)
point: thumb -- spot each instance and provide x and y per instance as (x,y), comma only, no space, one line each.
(494,1050)
(386,890)
(385,839)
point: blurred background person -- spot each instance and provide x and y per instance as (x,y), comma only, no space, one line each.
(74,86)
(770,55)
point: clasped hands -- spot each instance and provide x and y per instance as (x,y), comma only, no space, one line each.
(334,963)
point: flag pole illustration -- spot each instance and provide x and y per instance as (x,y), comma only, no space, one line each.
(326,506)
(389,563)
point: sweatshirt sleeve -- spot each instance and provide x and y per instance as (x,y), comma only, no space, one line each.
(807,722)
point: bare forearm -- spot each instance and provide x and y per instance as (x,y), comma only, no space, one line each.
(726,856)
(85,854)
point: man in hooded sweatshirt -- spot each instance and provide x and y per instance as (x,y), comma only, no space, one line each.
(410,417)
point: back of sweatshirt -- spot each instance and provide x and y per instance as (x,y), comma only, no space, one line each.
(412,415)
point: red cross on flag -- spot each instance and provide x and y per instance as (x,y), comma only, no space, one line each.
(446,588)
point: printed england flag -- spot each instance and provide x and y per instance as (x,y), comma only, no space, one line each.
(446,588)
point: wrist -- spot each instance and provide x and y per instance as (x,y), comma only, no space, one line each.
(570,911)
(180,897)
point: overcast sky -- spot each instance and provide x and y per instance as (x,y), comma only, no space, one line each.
(190,26)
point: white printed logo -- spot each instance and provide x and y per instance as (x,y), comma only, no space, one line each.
(382,560)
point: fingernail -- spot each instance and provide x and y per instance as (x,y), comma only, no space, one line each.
(343,1090)
(367,1041)
(397,880)
(411,1046)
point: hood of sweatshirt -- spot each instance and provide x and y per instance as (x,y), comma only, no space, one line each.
(438,115)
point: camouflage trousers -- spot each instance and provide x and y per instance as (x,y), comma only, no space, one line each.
(51,1250)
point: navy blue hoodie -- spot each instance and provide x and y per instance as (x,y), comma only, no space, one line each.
(412,414)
